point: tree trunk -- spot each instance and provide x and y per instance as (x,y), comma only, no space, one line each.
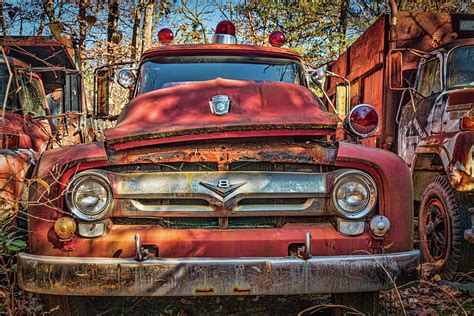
(2,21)
(136,25)
(111,27)
(147,24)
(82,23)
(343,25)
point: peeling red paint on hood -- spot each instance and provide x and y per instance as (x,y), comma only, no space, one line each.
(185,110)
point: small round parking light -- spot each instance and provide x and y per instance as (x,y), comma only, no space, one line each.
(277,38)
(165,36)
(65,227)
(379,225)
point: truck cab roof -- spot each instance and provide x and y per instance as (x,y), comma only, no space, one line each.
(454,43)
(220,49)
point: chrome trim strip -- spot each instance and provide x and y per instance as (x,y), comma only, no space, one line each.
(215,276)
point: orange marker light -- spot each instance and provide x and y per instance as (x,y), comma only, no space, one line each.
(65,227)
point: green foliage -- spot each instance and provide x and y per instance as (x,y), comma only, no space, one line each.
(10,244)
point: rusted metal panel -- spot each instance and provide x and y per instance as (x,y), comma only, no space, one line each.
(225,153)
(361,57)
(200,242)
(394,184)
(455,150)
(254,106)
(373,95)
(41,51)
(365,53)
(231,276)
(14,165)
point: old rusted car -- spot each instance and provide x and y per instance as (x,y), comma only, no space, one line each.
(222,176)
(417,70)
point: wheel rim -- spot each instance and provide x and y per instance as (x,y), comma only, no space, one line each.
(436,230)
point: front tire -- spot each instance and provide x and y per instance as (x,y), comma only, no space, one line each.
(442,220)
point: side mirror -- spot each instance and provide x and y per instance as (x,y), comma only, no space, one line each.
(101,107)
(126,77)
(395,64)
(319,76)
(362,121)
(113,87)
(342,98)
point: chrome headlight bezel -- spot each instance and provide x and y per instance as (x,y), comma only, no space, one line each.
(367,181)
(97,176)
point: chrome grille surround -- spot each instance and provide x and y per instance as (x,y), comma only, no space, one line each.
(291,193)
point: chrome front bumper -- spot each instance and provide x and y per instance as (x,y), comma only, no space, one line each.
(215,276)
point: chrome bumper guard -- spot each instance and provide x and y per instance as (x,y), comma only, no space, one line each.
(216,276)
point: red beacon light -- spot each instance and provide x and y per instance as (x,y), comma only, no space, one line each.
(165,36)
(362,121)
(277,38)
(225,33)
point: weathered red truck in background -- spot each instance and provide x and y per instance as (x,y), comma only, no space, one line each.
(222,176)
(30,69)
(417,70)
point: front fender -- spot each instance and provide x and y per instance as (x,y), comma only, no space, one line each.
(14,165)
(455,151)
(394,187)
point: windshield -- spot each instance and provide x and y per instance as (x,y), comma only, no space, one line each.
(460,68)
(31,96)
(174,71)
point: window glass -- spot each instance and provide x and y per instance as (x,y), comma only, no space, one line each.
(31,96)
(429,80)
(460,70)
(173,71)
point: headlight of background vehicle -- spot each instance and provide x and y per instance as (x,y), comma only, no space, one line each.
(89,196)
(354,194)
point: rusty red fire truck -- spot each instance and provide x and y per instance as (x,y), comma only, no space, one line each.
(222,176)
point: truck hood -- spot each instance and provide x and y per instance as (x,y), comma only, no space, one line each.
(184,110)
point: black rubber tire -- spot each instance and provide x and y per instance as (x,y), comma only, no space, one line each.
(458,252)
(61,305)
(366,303)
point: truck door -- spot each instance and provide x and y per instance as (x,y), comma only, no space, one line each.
(414,120)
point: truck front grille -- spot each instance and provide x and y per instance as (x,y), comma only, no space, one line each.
(220,223)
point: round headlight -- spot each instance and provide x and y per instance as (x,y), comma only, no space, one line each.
(355,194)
(89,196)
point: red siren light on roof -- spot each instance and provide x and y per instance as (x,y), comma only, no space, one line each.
(225,33)
(225,27)
(277,38)
(165,36)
